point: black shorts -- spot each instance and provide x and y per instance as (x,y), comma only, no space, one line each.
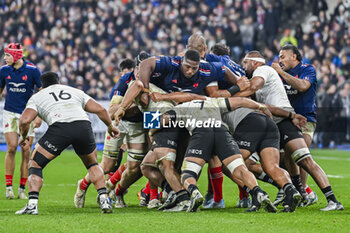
(167,137)
(257,132)
(288,132)
(206,142)
(60,135)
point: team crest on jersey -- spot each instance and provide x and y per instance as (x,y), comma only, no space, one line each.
(7,125)
(25,78)
(174,80)
(195,85)
(8,77)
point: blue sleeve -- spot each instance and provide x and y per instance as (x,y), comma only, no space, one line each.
(2,79)
(121,86)
(217,71)
(163,64)
(309,74)
(212,58)
(37,75)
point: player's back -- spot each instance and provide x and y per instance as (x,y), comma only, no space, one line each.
(59,103)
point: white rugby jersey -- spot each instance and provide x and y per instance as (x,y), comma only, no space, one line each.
(272,92)
(161,106)
(59,103)
(201,113)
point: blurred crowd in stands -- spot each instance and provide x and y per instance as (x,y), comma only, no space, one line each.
(84,40)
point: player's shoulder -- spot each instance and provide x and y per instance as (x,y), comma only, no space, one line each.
(127,77)
(306,67)
(5,68)
(212,57)
(30,65)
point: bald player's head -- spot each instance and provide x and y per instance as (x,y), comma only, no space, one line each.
(197,42)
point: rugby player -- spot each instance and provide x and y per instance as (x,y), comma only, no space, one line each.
(63,109)
(19,76)
(112,150)
(268,89)
(214,138)
(300,82)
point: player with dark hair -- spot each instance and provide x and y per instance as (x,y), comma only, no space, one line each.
(63,109)
(269,89)
(19,76)
(131,129)
(220,50)
(300,82)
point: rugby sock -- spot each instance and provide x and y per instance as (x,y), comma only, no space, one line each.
(246,188)
(109,175)
(84,184)
(120,157)
(308,189)
(147,189)
(264,177)
(165,186)
(22,183)
(191,188)
(102,191)
(33,198)
(210,187)
(242,193)
(287,188)
(328,192)
(299,186)
(153,193)
(118,174)
(254,190)
(8,179)
(120,190)
(216,178)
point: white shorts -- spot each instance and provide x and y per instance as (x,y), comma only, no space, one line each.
(130,132)
(309,129)
(10,123)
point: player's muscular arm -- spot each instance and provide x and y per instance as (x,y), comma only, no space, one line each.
(239,102)
(255,84)
(215,92)
(301,85)
(146,68)
(178,97)
(93,107)
(297,119)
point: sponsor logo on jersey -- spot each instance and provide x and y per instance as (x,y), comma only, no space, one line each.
(290,90)
(151,120)
(17,88)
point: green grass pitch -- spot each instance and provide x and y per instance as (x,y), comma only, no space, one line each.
(58,214)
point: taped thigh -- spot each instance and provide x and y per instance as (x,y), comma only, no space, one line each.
(300,154)
(190,169)
(40,159)
(234,164)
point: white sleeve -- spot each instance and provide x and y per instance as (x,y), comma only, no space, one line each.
(31,104)
(262,71)
(86,98)
(213,84)
(222,102)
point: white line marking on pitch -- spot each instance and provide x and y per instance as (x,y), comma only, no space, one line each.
(331,158)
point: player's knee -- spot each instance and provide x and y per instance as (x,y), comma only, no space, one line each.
(301,154)
(11,149)
(40,159)
(138,84)
(38,171)
(233,165)
(190,170)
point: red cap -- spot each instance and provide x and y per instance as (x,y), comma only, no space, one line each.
(15,50)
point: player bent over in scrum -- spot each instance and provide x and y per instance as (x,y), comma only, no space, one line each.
(214,139)
(63,109)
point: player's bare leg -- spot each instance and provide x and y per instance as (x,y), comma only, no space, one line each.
(12,142)
(297,149)
(238,170)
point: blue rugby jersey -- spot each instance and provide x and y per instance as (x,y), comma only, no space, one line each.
(122,85)
(169,77)
(19,85)
(233,66)
(304,103)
